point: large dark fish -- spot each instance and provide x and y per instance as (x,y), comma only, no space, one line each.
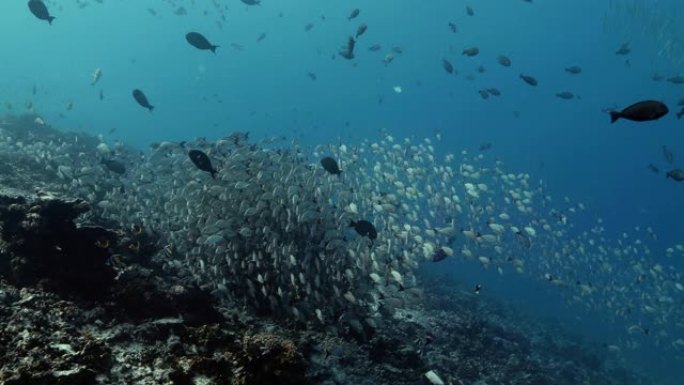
(114,166)
(364,229)
(330,165)
(641,111)
(438,255)
(676,174)
(198,41)
(202,162)
(347,51)
(39,10)
(142,99)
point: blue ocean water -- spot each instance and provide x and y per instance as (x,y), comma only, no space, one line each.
(263,87)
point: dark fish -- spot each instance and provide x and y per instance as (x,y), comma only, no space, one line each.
(311,75)
(354,14)
(575,70)
(668,155)
(261,37)
(39,10)
(308,27)
(472,51)
(641,111)
(364,229)
(375,48)
(677,174)
(447,66)
(453,27)
(142,99)
(485,146)
(523,239)
(361,30)
(653,168)
(202,162)
(494,91)
(483,94)
(676,79)
(347,51)
(198,41)
(252,2)
(529,79)
(398,50)
(114,166)
(101,95)
(330,165)
(180,11)
(565,95)
(438,255)
(624,49)
(469,11)
(504,60)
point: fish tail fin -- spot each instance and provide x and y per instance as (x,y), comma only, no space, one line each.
(614,116)
(151,108)
(213,48)
(50,19)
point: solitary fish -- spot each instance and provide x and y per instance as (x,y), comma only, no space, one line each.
(504,60)
(472,51)
(447,66)
(668,155)
(565,95)
(330,165)
(252,2)
(39,10)
(529,80)
(142,99)
(575,70)
(198,41)
(354,14)
(202,162)
(641,111)
(96,76)
(677,174)
(361,30)
(364,229)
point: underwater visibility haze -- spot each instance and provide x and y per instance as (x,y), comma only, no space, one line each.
(325,192)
